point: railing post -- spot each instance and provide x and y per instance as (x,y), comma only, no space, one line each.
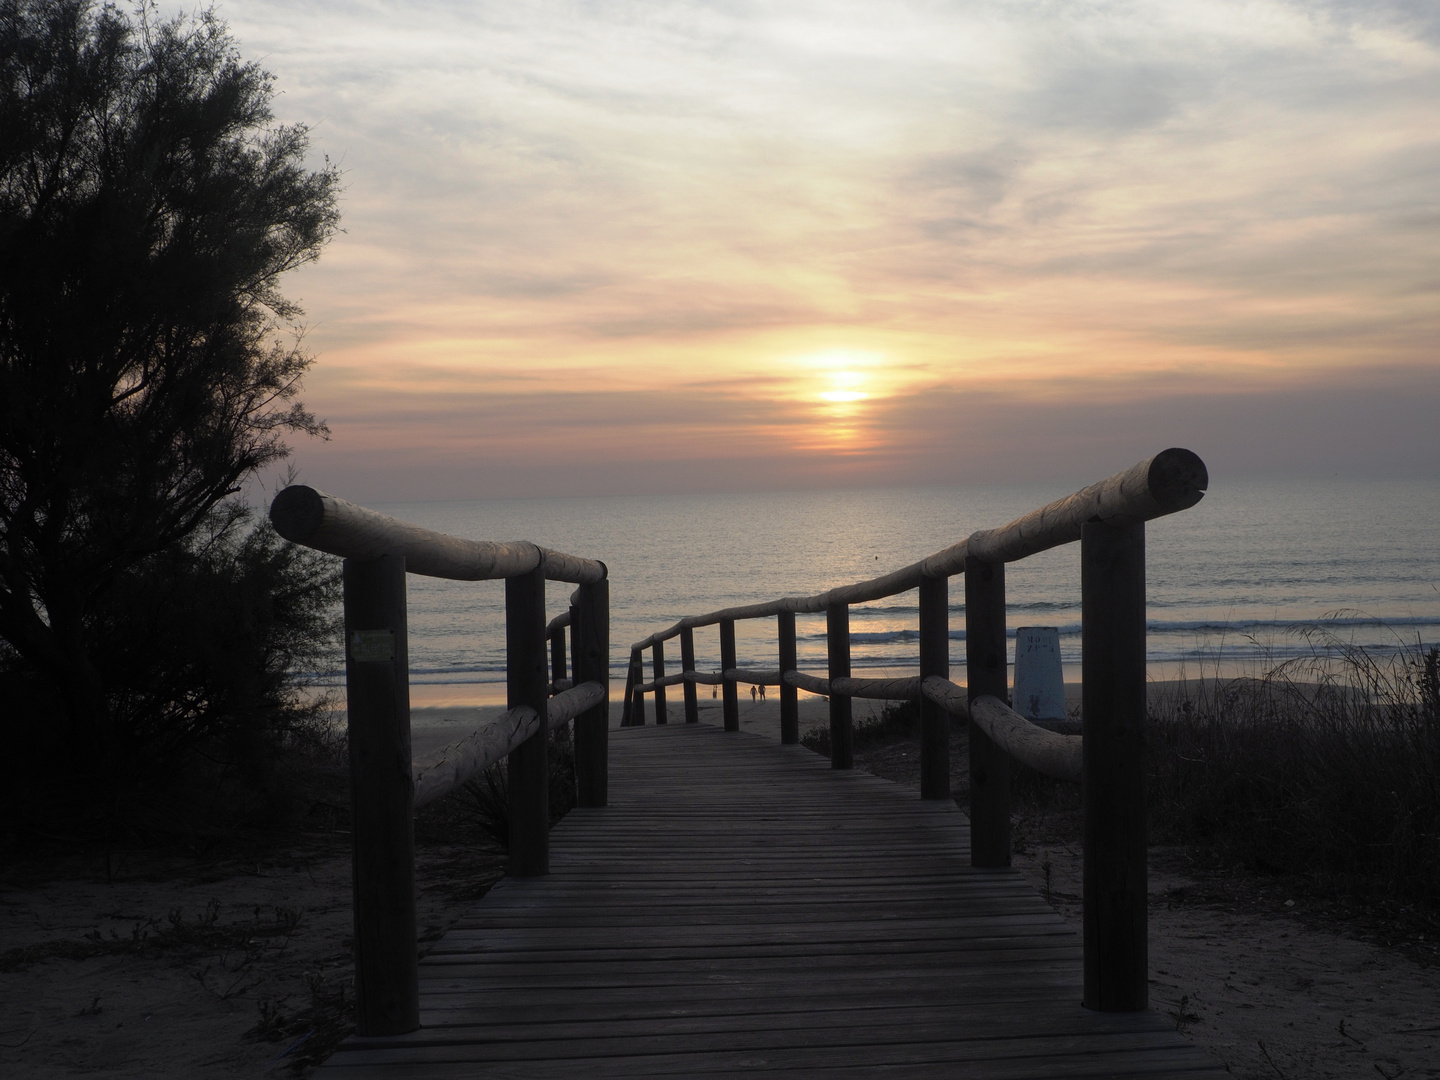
(986,673)
(637,680)
(789,696)
(727,661)
(528,769)
(657,655)
(625,706)
(1112,616)
(382,797)
(934,660)
(590,644)
(557,654)
(687,665)
(837,645)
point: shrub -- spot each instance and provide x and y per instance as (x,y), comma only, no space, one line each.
(897,720)
(201,649)
(1321,769)
(485,800)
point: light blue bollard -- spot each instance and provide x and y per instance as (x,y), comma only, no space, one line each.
(1039,681)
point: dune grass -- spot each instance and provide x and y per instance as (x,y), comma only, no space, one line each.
(1325,767)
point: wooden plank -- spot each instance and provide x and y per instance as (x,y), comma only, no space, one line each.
(740,908)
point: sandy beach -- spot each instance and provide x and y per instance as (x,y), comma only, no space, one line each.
(183,967)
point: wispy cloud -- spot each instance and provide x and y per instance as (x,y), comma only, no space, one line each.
(631,197)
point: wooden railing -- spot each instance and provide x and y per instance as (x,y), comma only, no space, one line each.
(1108,518)
(385,785)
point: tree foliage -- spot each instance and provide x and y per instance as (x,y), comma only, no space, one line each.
(149,205)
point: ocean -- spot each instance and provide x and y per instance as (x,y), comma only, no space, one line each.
(1234,585)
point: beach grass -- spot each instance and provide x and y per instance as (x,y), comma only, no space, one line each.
(1325,767)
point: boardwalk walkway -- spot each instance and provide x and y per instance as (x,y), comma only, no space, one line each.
(740,908)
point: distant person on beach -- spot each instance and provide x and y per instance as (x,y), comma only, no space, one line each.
(752,693)
(762,691)
(714,690)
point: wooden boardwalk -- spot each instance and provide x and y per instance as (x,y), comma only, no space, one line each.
(739,909)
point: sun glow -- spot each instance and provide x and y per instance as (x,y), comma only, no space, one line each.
(844,387)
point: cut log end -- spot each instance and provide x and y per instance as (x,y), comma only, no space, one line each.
(1177,478)
(297,512)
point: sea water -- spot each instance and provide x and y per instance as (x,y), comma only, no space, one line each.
(1238,582)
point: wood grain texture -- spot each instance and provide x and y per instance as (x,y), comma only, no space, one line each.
(687,665)
(306,516)
(742,909)
(1040,748)
(986,675)
(448,768)
(1171,481)
(377,694)
(789,700)
(590,640)
(1113,707)
(837,657)
(662,712)
(934,663)
(527,769)
(729,692)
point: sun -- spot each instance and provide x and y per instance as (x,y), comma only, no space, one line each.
(844,387)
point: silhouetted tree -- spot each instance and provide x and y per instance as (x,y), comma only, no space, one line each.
(149,205)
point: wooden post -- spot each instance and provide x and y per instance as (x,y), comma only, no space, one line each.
(687,664)
(382,797)
(727,661)
(837,645)
(789,696)
(626,702)
(528,767)
(934,660)
(986,673)
(1112,616)
(557,654)
(657,655)
(637,680)
(590,643)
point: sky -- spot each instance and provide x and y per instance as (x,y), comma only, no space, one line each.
(629,247)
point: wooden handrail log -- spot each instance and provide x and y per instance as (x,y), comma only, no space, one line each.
(565,706)
(878,689)
(1044,751)
(449,768)
(306,516)
(559,686)
(705,678)
(1171,481)
(559,622)
(756,678)
(458,762)
(668,680)
(811,683)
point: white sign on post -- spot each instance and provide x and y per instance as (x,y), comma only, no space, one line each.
(1039,680)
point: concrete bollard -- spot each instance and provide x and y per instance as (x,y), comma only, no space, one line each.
(1039,680)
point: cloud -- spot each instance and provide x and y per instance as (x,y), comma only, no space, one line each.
(517,441)
(647,195)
